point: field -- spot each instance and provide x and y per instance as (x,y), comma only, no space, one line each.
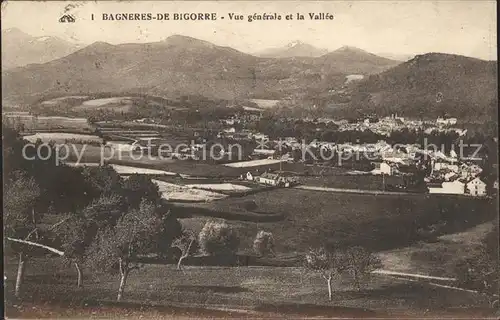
(31,123)
(364,182)
(219,186)
(62,137)
(114,103)
(56,101)
(379,222)
(438,257)
(252,163)
(174,192)
(265,103)
(250,291)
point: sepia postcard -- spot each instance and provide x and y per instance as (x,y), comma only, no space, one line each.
(250,159)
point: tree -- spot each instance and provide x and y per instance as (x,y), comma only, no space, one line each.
(480,271)
(80,229)
(218,238)
(103,180)
(170,230)
(185,245)
(21,218)
(329,264)
(120,246)
(140,187)
(263,243)
(361,263)
(75,240)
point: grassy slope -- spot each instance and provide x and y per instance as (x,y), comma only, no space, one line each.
(376,221)
(436,258)
(267,289)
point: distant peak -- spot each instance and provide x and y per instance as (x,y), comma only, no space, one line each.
(349,49)
(180,40)
(295,43)
(14,32)
(101,44)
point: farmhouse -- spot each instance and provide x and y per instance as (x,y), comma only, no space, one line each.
(451,187)
(383,168)
(446,121)
(274,179)
(443,165)
(249,176)
(476,187)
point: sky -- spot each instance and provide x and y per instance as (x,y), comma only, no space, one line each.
(396,27)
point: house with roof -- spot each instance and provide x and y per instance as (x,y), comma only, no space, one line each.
(476,187)
(446,121)
(447,187)
(249,176)
(441,165)
(450,176)
(275,179)
(383,168)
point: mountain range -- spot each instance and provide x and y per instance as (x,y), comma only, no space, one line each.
(20,49)
(186,65)
(181,65)
(293,49)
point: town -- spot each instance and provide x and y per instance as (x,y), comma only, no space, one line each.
(314,160)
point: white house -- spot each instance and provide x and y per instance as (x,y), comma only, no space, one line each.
(452,187)
(249,176)
(450,176)
(274,179)
(447,121)
(271,179)
(476,187)
(266,152)
(443,165)
(383,168)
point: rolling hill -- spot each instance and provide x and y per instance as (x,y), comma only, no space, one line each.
(293,49)
(352,60)
(183,65)
(432,85)
(20,49)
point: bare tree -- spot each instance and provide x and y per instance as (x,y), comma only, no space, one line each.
(329,264)
(184,243)
(20,219)
(361,263)
(122,244)
(81,229)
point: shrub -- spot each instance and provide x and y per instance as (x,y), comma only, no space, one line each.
(218,238)
(263,243)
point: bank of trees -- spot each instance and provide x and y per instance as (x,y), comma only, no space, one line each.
(90,217)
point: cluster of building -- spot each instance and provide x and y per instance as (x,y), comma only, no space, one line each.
(387,125)
(272,179)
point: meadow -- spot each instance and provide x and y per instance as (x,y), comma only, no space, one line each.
(40,123)
(311,218)
(62,137)
(251,291)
